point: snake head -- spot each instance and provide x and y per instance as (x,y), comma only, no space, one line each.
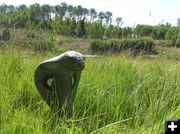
(74,61)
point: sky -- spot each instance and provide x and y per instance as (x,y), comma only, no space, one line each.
(133,12)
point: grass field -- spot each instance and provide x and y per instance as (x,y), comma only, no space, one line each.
(117,94)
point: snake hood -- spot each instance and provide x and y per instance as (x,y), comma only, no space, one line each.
(71,60)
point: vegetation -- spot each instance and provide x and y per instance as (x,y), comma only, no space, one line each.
(143,46)
(115,95)
(5,35)
(77,21)
(118,93)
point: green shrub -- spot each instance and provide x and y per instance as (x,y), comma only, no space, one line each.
(177,44)
(166,43)
(146,46)
(30,34)
(173,37)
(43,45)
(174,42)
(38,41)
(5,35)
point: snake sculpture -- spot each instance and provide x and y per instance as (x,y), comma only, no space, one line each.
(57,79)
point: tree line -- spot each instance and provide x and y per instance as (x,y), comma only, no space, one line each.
(77,21)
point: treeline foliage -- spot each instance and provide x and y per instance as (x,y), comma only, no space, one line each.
(64,19)
(77,21)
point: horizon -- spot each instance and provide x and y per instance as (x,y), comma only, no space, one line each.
(149,12)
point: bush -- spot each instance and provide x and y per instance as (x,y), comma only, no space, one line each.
(38,41)
(43,45)
(30,34)
(173,35)
(164,43)
(145,46)
(5,35)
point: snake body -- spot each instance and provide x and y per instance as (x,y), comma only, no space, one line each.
(64,71)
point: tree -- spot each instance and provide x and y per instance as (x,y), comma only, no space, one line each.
(63,9)
(108,17)
(70,10)
(108,32)
(177,44)
(78,11)
(127,32)
(60,10)
(66,27)
(93,14)
(57,25)
(143,30)
(101,16)
(119,21)
(171,33)
(116,32)
(22,7)
(10,8)
(72,27)
(35,13)
(3,8)
(80,29)
(46,12)
(95,30)
(160,31)
(85,13)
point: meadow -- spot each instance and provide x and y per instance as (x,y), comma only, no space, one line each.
(117,94)
(131,88)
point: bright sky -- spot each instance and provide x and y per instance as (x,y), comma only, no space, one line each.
(132,11)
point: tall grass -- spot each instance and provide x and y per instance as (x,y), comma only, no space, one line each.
(115,95)
(133,45)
